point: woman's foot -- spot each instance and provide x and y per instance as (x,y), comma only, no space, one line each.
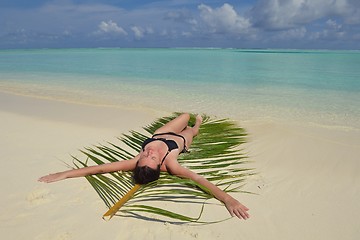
(199,119)
(196,127)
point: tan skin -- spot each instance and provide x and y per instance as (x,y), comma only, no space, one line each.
(152,156)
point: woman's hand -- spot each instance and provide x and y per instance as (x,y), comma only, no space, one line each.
(235,208)
(53,177)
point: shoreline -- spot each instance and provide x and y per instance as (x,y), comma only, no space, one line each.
(305,173)
(244,112)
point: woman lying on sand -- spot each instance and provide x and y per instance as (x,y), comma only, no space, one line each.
(159,153)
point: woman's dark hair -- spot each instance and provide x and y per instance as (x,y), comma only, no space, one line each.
(145,174)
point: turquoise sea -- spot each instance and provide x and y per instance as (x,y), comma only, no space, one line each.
(320,87)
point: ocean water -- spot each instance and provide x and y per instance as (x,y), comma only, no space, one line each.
(320,87)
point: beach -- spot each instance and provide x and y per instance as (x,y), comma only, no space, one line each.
(306,186)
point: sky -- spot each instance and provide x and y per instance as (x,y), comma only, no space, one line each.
(290,24)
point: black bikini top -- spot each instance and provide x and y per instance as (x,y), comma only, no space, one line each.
(171,144)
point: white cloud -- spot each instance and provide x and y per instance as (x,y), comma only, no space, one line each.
(333,24)
(181,16)
(186,34)
(140,32)
(110,27)
(332,30)
(149,30)
(66,33)
(295,33)
(224,19)
(285,14)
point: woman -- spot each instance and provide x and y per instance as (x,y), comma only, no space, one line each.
(159,153)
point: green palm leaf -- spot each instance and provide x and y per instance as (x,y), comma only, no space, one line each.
(215,154)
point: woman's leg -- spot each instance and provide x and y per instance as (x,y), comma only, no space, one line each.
(190,132)
(176,125)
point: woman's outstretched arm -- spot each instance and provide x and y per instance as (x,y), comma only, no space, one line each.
(234,207)
(126,165)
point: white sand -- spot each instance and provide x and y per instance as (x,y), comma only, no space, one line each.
(307,186)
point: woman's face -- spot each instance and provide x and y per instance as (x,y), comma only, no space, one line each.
(149,158)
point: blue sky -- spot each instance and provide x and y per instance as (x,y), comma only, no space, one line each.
(303,24)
